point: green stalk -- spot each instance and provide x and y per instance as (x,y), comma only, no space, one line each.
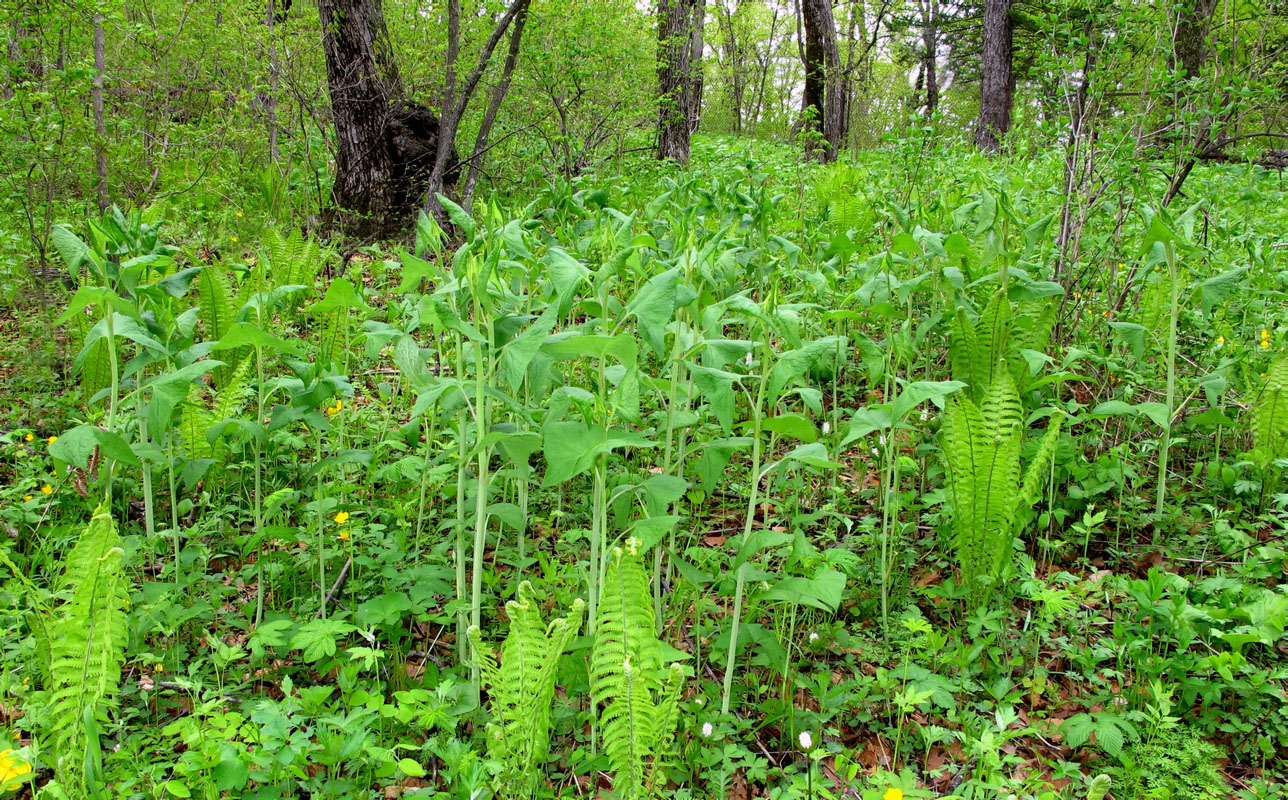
(597,504)
(480,492)
(149,513)
(112,396)
(459,551)
(1174,311)
(752,497)
(317,499)
(174,509)
(259,488)
(424,479)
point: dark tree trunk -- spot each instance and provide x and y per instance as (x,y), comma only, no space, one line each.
(364,84)
(930,47)
(674,78)
(494,105)
(823,78)
(736,69)
(996,89)
(456,98)
(385,145)
(696,76)
(270,102)
(1190,43)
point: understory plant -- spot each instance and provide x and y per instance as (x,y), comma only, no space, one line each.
(521,687)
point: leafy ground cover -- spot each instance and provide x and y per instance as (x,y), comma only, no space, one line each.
(753,480)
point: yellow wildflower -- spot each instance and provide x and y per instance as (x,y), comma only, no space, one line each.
(12,770)
(344,536)
(893,793)
(238,213)
(27,499)
(342,518)
(28,437)
(158,668)
(46,489)
(331,411)
(53,439)
(1265,344)
(1220,340)
(234,240)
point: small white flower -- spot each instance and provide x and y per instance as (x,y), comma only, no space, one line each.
(827,428)
(707,730)
(807,741)
(813,637)
(749,358)
(876,452)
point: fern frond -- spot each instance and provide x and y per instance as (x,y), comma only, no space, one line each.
(215,300)
(521,688)
(87,645)
(625,626)
(193,424)
(1033,476)
(638,709)
(991,341)
(1269,415)
(976,351)
(229,400)
(981,447)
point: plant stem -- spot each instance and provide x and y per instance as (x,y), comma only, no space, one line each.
(1173,313)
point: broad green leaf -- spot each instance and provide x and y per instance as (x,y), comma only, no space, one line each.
(341,294)
(77,445)
(793,425)
(918,392)
(244,334)
(518,354)
(823,591)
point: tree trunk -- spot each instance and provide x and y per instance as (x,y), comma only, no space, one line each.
(270,102)
(100,121)
(456,98)
(696,75)
(734,66)
(674,78)
(823,78)
(385,144)
(494,105)
(930,52)
(1190,43)
(995,87)
(364,83)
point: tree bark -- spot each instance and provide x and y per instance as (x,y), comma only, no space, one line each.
(386,145)
(823,78)
(695,65)
(735,67)
(930,51)
(270,102)
(996,89)
(494,105)
(674,78)
(364,83)
(100,121)
(1190,40)
(456,98)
